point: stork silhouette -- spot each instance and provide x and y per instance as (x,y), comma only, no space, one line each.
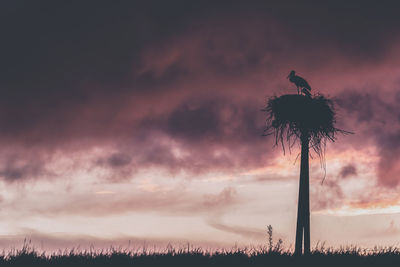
(300,83)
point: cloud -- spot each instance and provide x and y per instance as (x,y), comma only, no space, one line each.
(118,160)
(225,198)
(195,122)
(327,196)
(30,170)
(348,171)
(378,119)
(175,201)
(389,163)
(247,232)
(172,86)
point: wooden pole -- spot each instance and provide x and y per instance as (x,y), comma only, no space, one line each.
(303,209)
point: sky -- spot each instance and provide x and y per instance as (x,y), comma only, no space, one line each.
(140,124)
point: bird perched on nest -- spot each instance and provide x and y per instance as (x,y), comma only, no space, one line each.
(300,83)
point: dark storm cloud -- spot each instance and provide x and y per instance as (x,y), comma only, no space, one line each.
(194,122)
(56,43)
(49,46)
(206,135)
(359,104)
(215,118)
(162,83)
(51,50)
(197,136)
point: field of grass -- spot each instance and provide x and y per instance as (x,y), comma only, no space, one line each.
(261,256)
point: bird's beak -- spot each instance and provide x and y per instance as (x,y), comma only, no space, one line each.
(288,76)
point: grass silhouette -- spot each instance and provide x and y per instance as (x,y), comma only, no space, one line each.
(269,255)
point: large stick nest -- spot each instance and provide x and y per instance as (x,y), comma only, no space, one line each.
(292,117)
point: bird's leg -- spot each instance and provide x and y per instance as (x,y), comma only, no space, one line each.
(298,91)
